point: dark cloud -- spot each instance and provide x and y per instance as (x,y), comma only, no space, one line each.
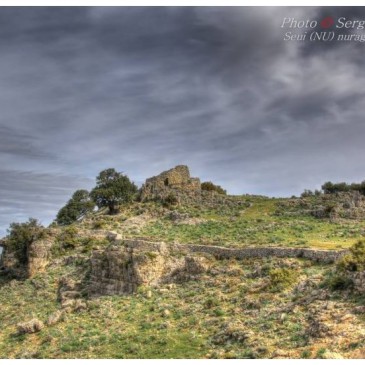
(143,89)
(27,194)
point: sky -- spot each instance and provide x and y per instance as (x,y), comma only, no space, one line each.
(144,89)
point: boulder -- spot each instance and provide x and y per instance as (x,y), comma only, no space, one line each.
(34,325)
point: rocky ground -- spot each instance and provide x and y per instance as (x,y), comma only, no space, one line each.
(230,309)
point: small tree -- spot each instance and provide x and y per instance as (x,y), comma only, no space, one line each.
(79,205)
(112,188)
(21,236)
(209,186)
(306,193)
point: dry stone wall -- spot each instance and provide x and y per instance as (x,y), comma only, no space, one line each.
(124,266)
(323,256)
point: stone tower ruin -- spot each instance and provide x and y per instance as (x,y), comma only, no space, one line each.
(176,181)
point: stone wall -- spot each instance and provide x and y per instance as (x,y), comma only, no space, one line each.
(124,266)
(323,256)
(176,181)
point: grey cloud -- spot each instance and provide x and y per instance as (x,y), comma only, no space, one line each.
(27,194)
(143,89)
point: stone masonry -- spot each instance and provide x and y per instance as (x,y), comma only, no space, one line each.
(176,181)
(124,266)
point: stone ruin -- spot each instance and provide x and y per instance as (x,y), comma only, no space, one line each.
(176,181)
(123,266)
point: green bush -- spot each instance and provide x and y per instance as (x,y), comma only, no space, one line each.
(22,235)
(329,208)
(339,282)
(282,278)
(306,193)
(211,302)
(66,240)
(170,200)
(69,240)
(354,260)
(209,186)
(333,188)
(99,224)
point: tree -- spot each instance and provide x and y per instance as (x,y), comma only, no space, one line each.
(112,188)
(330,188)
(209,186)
(79,205)
(21,236)
(306,193)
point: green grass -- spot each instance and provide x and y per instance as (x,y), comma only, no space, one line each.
(257,225)
(232,312)
(197,326)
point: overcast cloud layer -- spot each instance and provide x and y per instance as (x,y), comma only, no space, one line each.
(145,89)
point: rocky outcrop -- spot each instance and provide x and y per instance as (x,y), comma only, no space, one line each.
(342,205)
(70,295)
(358,279)
(34,325)
(121,269)
(38,256)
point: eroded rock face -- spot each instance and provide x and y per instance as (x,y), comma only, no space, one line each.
(121,269)
(38,256)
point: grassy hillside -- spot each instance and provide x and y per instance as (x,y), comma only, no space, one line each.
(237,310)
(256,221)
(253,308)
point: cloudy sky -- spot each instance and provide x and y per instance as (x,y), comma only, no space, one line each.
(144,89)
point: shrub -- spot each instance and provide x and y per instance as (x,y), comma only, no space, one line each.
(338,282)
(22,235)
(169,200)
(282,278)
(209,186)
(99,224)
(320,353)
(88,243)
(211,302)
(329,209)
(332,188)
(66,240)
(306,354)
(306,193)
(354,260)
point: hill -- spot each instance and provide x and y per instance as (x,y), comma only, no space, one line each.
(186,272)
